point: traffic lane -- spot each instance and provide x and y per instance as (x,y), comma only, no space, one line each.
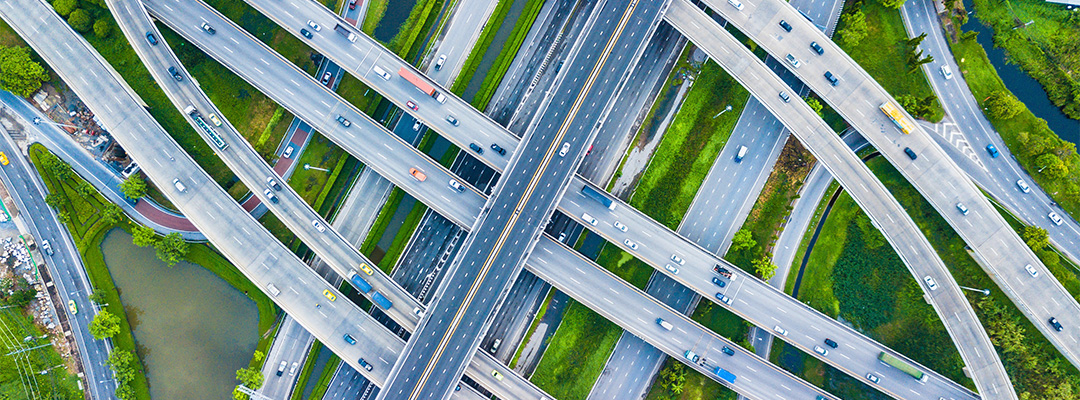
(639,314)
(765,307)
(467,21)
(864,101)
(205,198)
(253,170)
(294,16)
(366,140)
(848,170)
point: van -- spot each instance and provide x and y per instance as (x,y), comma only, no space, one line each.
(691,356)
(281,367)
(381,72)
(742,153)
(179,185)
(946,72)
(46,247)
(273,290)
(588,218)
(190,110)
(439,64)
(664,324)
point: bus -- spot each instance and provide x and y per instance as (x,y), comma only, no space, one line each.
(902,366)
(596,195)
(359,283)
(897,117)
(221,145)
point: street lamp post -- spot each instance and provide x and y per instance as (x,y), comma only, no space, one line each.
(985,292)
(726,109)
(308,166)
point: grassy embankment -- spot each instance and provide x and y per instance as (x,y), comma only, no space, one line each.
(16,380)
(853,274)
(883,54)
(577,351)
(1022,131)
(88,229)
(506,55)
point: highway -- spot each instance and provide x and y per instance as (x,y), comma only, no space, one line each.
(1002,252)
(65,266)
(901,232)
(775,296)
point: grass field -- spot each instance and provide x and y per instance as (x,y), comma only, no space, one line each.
(19,377)
(689,146)
(883,54)
(576,353)
(487,35)
(506,55)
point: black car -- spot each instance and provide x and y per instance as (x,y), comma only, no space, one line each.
(476,148)
(150,38)
(910,153)
(176,74)
(718,282)
(727,351)
(785,25)
(498,149)
(305,33)
(817,48)
(1054,323)
(830,343)
(831,78)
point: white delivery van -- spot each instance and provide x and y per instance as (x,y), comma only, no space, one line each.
(664,324)
(742,153)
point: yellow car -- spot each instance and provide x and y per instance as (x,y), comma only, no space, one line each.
(3,158)
(214,119)
(71,307)
(367,270)
(496,374)
(329,295)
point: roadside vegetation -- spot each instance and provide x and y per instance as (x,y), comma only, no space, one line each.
(89,217)
(487,35)
(506,55)
(873,34)
(1046,49)
(19,376)
(576,353)
(1052,162)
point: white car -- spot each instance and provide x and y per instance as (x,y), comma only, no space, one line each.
(779,330)
(318,225)
(1023,186)
(288,152)
(1031,270)
(930,282)
(671,269)
(618,225)
(315,27)
(946,72)
(456,186)
(439,64)
(821,350)
(630,244)
(793,61)
(418,312)
(736,3)
(676,258)
(565,148)
(1055,218)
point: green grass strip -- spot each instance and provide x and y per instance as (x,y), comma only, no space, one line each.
(468,69)
(507,54)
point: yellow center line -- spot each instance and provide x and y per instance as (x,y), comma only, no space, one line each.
(534,181)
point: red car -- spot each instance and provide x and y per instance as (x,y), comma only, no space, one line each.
(411,105)
(352,4)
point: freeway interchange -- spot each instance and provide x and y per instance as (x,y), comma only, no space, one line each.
(538,178)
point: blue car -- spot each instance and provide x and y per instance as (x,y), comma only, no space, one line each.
(992,150)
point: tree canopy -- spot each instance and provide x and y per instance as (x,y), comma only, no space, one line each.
(105,325)
(19,74)
(133,187)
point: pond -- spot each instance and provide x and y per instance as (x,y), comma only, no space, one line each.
(1026,88)
(193,330)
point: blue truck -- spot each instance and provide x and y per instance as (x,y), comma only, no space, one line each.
(594,194)
(725,375)
(360,284)
(381,301)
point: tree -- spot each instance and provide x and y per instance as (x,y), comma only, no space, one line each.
(815,105)
(743,240)
(97,297)
(765,267)
(143,236)
(133,187)
(123,365)
(63,217)
(20,74)
(855,28)
(171,249)
(1052,166)
(1035,237)
(102,28)
(112,213)
(258,356)
(1002,104)
(54,200)
(65,7)
(81,20)
(105,325)
(84,189)
(250,377)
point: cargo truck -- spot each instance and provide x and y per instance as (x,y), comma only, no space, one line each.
(359,283)
(594,194)
(343,31)
(725,375)
(421,85)
(902,366)
(381,301)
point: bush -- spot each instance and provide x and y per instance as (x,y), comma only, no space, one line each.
(81,20)
(102,28)
(19,73)
(65,7)
(1004,105)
